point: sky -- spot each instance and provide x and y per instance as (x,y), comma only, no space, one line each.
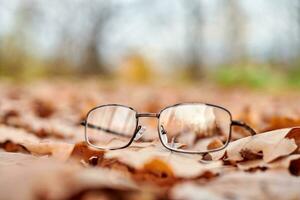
(156,28)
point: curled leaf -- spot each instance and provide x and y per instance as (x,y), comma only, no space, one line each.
(272,145)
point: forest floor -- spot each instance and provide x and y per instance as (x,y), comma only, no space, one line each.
(43,154)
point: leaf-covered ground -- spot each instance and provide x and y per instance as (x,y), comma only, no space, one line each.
(43,154)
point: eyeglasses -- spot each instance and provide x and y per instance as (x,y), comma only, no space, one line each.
(193,128)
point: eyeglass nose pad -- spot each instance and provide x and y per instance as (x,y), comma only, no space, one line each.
(139,134)
(163,134)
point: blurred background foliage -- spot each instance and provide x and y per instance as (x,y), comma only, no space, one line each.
(229,42)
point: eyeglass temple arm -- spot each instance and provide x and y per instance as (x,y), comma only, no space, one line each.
(246,126)
(84,123)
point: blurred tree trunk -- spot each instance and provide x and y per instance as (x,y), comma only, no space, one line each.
(98,15)
(84,50)
(235,33)
(92,61)
(14,49)
(193,38)
(298,26)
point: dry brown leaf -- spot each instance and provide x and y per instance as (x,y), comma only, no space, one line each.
(12,147)
(44,178)
(56,149)
(284,163)
(240,185)
(272,145)
(163,161)
(43,108)
(158,167)
(83,151)
(192,191)
(281,121)
(294,134)
(215,144)
(45,127)
(16,135)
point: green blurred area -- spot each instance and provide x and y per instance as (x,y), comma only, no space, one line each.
(258,76)
(17,66)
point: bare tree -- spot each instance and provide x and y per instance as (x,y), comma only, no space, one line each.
(13,48)
(85,48)
(193,37)
(298,25)
(235,32)
(99,16)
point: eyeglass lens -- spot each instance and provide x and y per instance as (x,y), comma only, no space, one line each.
(110,126)
(194,127)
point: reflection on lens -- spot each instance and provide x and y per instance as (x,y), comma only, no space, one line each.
(194,127)
(110,127)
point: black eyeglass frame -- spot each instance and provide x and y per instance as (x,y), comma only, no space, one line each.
(157,115)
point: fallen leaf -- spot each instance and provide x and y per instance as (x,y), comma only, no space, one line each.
(240,185)
(273,145)
(83,151)
(33,144)
(45,178)
(57,150)
(163,161)
(284,163)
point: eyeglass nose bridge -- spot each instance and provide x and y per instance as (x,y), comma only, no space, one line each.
(147,115)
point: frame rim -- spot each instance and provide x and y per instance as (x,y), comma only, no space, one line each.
(157,115)
(113,148)
(196,152)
